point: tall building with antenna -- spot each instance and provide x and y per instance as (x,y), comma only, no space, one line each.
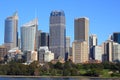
(28,35)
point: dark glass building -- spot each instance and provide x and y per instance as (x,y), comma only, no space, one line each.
(116,37)
(44,39)
(57,34)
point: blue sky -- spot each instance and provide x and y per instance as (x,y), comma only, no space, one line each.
(104,15)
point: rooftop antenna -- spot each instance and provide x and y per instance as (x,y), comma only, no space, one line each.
(36,16)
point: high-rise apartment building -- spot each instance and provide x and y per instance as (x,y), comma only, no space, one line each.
(28,35)
(80,45)
(11,31)
(57,33)
(116,37)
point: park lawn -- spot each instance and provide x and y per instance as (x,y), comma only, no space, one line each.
(105,73)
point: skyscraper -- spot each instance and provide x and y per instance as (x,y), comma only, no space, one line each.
(38,39)
(11,31)
(67,53)
(68,45)
(116,52)
(80,51)
(28,35)
(57,33)
(81,29)
(44,39)
(116,37)
(92,44)
(80,44)
(97,53)
(92,40)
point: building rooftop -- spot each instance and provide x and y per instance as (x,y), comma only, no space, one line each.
(30,23)
(57,13)
(82,18)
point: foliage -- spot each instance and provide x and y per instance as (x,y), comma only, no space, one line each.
(61,69)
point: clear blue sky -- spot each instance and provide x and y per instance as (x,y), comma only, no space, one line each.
(104,15)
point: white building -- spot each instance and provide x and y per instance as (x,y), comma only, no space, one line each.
(12,54)
(31,56)
(45,55)
(116,52)
(28,35)
(92,43)
(93,40)
(48,56)
(97,53)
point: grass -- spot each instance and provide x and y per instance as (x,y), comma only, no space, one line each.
(105,73)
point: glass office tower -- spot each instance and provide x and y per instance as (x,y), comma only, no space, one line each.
(11,31)
(116,37)
(28,35)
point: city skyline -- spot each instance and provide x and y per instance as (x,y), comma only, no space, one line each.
(103,19)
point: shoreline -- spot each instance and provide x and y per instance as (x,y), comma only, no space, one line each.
(22,76)
(82,77)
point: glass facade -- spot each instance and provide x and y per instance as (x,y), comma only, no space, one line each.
(116,37)
(28,36)
(11,32)
(44,39)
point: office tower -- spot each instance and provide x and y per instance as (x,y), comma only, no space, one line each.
(44,39)
(28,35)
(11,31)
(57,34)
(67,54)
(81,29)
(80,44)
(38,39)
(92,40)
(116,52)
(92,43)
(97,53)
(116,37)
(109,46)
(104,52)
(107,51)
(80,51)
(68,45)
(3,52)
(19,44)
